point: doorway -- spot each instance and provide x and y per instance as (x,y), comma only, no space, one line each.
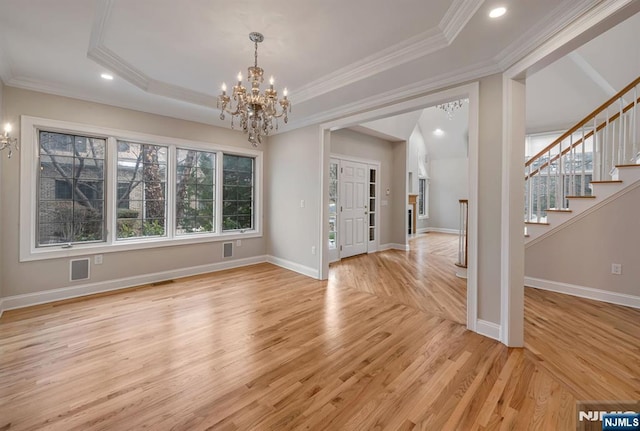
(353,212)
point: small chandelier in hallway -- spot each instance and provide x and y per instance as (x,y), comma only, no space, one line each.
(256,110)
(451,107)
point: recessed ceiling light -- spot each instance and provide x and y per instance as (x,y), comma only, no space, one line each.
(438,132)
(107,76)
(497,12)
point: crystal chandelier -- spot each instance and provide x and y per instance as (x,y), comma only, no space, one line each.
(451,107)
(256,111)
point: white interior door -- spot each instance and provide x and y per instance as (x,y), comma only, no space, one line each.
(353,206)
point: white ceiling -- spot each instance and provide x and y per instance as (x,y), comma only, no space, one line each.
(336,57)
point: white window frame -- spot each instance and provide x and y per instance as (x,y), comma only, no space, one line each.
(29,164)
(425,197)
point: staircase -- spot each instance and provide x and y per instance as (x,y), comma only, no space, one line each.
(591,164)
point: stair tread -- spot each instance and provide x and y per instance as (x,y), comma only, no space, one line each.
(628,166)
(559,210)
(537,222)
(581,197)
(607,182)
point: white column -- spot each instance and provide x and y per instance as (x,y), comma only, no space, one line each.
(512,239)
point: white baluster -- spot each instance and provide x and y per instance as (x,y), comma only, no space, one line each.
(583,186)
(622,141)
(635,126)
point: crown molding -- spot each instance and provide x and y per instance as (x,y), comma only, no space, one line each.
(457,17)
(564,33)
(562,16)
(471,73)
(428,42)
(410,49)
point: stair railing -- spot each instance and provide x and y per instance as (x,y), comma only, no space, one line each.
(586,153)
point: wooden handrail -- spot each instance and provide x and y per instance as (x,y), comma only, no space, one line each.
(584,121)
(602,125)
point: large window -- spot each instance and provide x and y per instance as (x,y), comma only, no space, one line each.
(70,189)
(89,188)
(195,191)
(142,182)
(237,199)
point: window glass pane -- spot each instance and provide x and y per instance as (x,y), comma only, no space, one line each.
(142,180)
(333,204)
(195,191)
(237,192)
(422,182)
(70,189)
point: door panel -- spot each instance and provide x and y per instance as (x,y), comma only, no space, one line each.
(353,201)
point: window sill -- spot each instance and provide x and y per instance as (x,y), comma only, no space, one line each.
(58,252)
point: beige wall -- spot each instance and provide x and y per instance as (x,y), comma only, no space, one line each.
(349,143)
(449,183)
(293,174)
(582,253)
(19,278)
(489,198)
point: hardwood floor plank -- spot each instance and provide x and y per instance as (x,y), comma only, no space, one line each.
(381,345)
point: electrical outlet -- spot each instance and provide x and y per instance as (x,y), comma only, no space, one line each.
(616,268)
(302,203)
(238,243)
(97,259)
(313,249)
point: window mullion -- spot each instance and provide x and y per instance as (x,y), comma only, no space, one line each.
(219,191)
(111,200)
(170,200)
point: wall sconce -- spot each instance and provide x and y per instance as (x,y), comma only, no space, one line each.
(7,141)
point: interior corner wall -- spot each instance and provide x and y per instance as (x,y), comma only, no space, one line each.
(293,176)
(45,275)
(581,253)
(347,143)
(490,198)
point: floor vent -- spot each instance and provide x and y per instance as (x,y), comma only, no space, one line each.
(227,249)
(79,269)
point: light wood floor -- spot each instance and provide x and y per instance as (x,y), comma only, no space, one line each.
(379,346)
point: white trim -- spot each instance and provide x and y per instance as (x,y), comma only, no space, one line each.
(46,296)
(1,306)
(584,292)
(439,230)
(293,266)
(457,17)
(489,329)
(394,246)
(28,180)
(423,230)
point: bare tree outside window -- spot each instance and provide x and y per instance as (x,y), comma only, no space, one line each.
(195,191)
(142,182)
(70,189)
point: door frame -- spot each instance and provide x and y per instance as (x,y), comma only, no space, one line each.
(470,91)
(334,254)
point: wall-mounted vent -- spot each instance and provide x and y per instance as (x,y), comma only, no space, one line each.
(79,269)
(227,249)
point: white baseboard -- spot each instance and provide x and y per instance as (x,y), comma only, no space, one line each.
(488,329)
(45,296)
(293,266)
(423,230)
(392,246)
(584,292)
(440,230)
(1,306)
